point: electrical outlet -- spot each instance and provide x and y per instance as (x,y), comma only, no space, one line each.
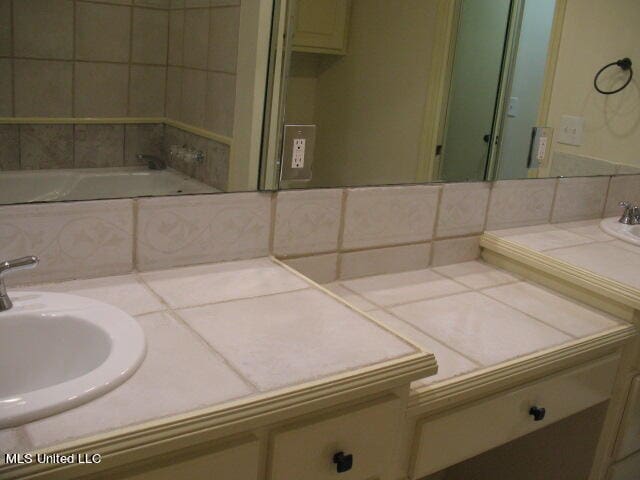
(297,158)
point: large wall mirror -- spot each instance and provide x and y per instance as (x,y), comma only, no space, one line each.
(127,98)
(406,91)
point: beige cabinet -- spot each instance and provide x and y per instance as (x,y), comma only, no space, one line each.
(629,438)
(321,26)
(627,469)
(355,444)
(453,437)
(230,461)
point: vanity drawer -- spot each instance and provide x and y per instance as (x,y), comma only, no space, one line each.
(367,432)
(230,461)
(629,439)
(451,438)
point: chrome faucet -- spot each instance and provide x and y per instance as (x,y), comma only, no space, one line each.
(8,266)
(631,214)
(153,162)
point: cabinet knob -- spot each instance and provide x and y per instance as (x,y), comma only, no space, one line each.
(343,462)
(538,413)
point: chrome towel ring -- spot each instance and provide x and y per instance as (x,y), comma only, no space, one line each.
(624,64)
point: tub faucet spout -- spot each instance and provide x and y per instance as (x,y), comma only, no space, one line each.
(153,162)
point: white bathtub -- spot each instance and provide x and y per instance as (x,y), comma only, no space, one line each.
(94,183)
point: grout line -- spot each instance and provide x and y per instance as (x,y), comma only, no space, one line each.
(130,70)
(12,32)
(486,208)
(436,219)
(134,246)
(553,200)
(166,69)
(73,67)
(419,330)
(272,224)
(211,349)
(344,197)
(529,315)
(98,2)
(606,197)
(206,80)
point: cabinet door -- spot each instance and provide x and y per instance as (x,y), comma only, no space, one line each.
(629,437)
(628,469)
(235,461)
(321,26)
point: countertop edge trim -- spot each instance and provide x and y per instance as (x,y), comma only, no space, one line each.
(615,290)
(434,398)
(262,410)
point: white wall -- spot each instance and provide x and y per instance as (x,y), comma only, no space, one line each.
(369,104)
(595,33)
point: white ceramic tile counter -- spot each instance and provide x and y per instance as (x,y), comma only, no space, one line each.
(472,315)
(582,244)
(215,333)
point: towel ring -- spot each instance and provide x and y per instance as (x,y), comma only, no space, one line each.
(624,64)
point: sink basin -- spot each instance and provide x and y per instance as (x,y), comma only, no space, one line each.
(626,233)
(58,351)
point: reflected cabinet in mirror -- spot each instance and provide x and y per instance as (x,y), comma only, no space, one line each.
(127,98)
(406,91)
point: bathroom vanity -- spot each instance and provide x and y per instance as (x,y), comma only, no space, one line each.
(255,372)
(596,261)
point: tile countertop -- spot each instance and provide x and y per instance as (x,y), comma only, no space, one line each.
(582,244)
(470,315)
(215,333)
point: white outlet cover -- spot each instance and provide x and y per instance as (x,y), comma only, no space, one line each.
(571,131)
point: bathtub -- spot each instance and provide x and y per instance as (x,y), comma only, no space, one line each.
(94,183)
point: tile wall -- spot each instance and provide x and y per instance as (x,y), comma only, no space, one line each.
(111,59)
(44,146)
(77,58)
(325,233)
(202,58)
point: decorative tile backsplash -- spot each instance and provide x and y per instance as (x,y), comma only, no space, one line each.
(89,239)
(73,240)
(380,216)
(174,231)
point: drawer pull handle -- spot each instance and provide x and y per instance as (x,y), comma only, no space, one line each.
(538,413)
(343,462)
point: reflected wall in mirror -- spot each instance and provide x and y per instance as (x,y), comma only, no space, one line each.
(127,98)
(406,91)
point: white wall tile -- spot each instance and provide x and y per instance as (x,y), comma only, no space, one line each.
(623,188)
(580,198)
(455,250)
(73,240)
(517,203)
(307,221)
(174,231)
(384,260)
(382,216)
(319,268)
(463,209)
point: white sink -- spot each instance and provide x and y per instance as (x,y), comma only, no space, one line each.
(626,233)
(58,351)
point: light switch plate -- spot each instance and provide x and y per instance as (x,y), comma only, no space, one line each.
(297,153)
(571,130)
